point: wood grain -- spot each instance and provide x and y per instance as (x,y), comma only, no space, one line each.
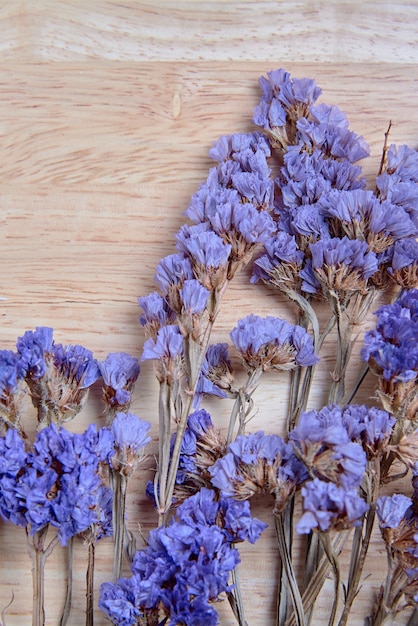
(107,112)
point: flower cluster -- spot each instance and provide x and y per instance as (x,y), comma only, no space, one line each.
(333,237)
(392,353)
(272,343)
(398,521)
(186,565)
(57,482)
(258,464)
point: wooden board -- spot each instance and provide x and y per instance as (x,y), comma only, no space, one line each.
(107,112)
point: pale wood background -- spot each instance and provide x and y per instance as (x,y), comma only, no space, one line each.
(107,112)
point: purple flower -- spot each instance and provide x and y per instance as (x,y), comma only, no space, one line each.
(186,565)
(167,345)
(57,481)
(119,370)
(327,506)
(76,364)
(11,392)
(173,270)
(130,438)
(258,463)
(324,444)
(352,253)
(272,343)
(129,431)
(405,254)
(32,348)
(391,349)
(205,248)
(216,373)
(155,311)
(118,605)
(194,296)
(391,509)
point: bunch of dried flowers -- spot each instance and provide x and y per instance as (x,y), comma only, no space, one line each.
(288,201)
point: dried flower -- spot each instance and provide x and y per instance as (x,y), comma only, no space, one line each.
(327,506)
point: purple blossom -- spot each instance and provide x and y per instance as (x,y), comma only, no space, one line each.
(335,141)
(173,270)
(324,444)
(391,348)
(129,431)
(216,373)
(194,296)
(280,94)
(10,374)
(56,483)
(205,248)
(391,510)
(350,253)
(280,248)
(168,344)
(155,310)
(32,348)
(257,463)
(119,370)
(186,564)
(405,254)
(272,343)
(76,364)
(327,506)
(372,427)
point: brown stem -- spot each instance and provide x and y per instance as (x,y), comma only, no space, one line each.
(90,585)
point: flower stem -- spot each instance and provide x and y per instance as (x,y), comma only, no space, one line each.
(361,544)
(39,554)
(280,523)
(326,542)
(119,484)
(69,593)
(90,585)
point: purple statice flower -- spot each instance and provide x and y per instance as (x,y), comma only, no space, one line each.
(307,177)
(201,446)
(280,96)
(216,374)
(258,463)
(280,262)
(402,265)
(120,372)
(352,254)
(391,349)
(205,248)
(362,215)
(336,142)
(56,484)
(76,366)
(117,601)
(272,343)
(155,312)
(130,438)
(370,426)
(11,392)
(32,349)
(186,565)
(172,271)
(326,507)
(167,345)
(398,183)
(391,509)
(58,376)
(323,443)
(194,297)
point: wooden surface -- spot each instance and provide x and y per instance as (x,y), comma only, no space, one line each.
(107,112)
